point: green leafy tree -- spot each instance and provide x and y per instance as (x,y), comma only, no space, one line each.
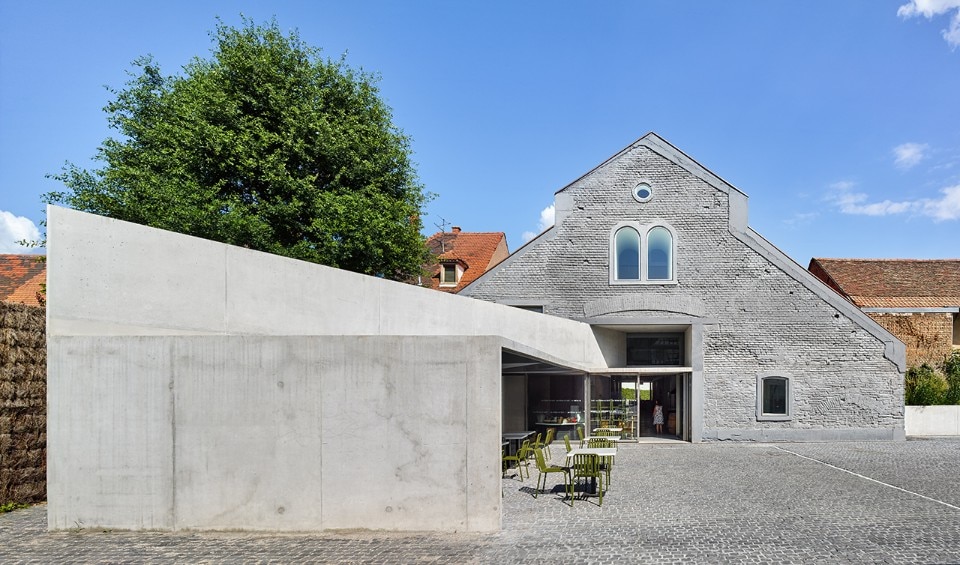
(264,145)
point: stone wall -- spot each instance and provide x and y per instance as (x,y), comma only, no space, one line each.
(759,316)
(23,398)
(928,336)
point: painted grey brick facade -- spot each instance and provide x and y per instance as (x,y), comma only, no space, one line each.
(760,313)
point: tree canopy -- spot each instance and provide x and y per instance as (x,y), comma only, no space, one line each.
(265,145)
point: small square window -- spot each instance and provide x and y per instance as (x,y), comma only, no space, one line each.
(448,274)
(774,397)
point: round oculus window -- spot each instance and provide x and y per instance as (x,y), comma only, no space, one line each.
(643,192)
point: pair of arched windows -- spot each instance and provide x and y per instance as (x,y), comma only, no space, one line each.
(647,257)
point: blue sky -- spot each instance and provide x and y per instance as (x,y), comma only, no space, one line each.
(839,119)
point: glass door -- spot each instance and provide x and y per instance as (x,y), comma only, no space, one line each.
(614,404)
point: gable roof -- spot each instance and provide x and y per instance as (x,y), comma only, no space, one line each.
(893,283)
(475,251)
(21,277)
(894,349)
(670,152)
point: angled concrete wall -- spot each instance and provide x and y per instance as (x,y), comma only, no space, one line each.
(118,278)
(196,385)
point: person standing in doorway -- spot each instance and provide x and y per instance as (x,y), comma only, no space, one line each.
(658,417)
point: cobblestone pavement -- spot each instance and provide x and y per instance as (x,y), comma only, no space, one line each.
(870,502)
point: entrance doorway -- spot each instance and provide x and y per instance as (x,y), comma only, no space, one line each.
(627,402)
(537,396)
(668,390)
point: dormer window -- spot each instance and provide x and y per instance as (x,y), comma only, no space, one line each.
(450,273)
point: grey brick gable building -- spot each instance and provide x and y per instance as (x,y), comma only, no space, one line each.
(695,311)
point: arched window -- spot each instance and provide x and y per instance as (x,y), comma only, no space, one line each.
(627,252)
(643,254)
(659,254)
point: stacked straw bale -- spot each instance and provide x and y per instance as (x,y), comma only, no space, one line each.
(23,404)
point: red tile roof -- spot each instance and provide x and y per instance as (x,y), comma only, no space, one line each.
(21,277)
(475,251)
(893,283)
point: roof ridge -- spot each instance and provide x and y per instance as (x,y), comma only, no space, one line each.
(889,260)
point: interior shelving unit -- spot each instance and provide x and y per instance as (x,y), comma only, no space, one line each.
(619,413)
(563,415)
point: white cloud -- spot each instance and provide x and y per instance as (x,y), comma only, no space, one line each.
(547,216)
(946,208)
(857,203)
(16,228)
(801,219)
(843,185)
(908,155)
(931,8)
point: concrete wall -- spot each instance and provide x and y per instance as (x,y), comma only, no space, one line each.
(196,385)
(754,310)
(118,278)
(932,420)
(274,433)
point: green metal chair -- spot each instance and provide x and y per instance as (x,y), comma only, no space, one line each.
(566,440)
(537,443)
(606,463)
(587,466)
(521,458)
(547,441)
(580,434)
(547,469)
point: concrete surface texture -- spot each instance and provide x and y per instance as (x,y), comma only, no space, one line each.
(197,385)
(932,420)
(832,503)
(118,278)
(274,433)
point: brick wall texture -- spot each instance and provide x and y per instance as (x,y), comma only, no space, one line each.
(928,336)
(23,404)
(765,320)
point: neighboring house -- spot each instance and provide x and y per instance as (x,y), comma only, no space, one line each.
(462,257)
(22,279)
(916,300)
(734,338)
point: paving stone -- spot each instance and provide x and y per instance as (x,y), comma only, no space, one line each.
(668,503)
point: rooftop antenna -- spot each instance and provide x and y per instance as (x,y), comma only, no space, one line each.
(443,227)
